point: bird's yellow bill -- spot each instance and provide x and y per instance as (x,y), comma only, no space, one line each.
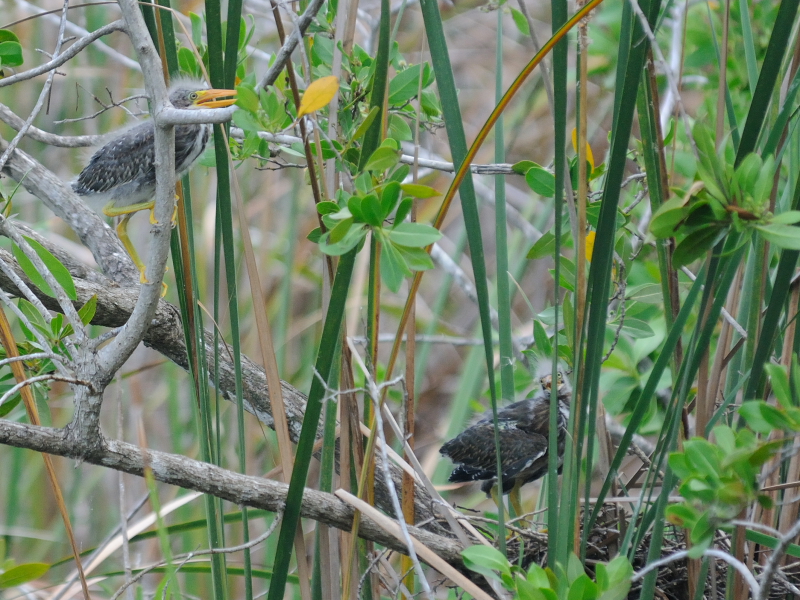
(215,98)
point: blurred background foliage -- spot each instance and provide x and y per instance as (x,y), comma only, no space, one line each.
(450,383)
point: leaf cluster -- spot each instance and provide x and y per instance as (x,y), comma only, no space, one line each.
(612,580)
(725,197)
(375,203)
(10,51)
(720,479)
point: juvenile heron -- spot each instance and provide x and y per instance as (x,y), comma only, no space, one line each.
(524,434)
(123,174)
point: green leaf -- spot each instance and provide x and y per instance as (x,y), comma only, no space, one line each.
(543,247)
(415,235)
(399,174)
(783,236)
(399,129)
(10,404)
(6,35)
(57,270)
(352,237)
(371,210)
(593,215)
(197,28)
(696,244)
(419,191)
(541,181)
(523,166)
(247,98)
(187,61)
(403,210)
(726,438)
(88,310)
(354,206)
(326,207)
(314,235)
(337,233)
(751,411)
(648,293)
(637,329)
(790,217)
(780,384)
(618,591)
(20,574)
(382,159)
(27,267)
(393,267)
(681,515)
(10,54)
(541,339)
(764,181)
(707,151)
(359,133)
(389,198)
(404,86)
(668,217)
(486,560)
(520,21)
(582,588)
(416,258)
(773,416)
(247,122)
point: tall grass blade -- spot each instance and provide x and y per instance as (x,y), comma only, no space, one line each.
(327,350)
(602,258)
(501,236)
(182,244)
(770,70)
(440,58)
(772,316)
(556,512)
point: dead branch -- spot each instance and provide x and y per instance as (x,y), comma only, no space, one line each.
(241,490)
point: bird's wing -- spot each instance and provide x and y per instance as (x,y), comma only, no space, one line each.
(120,161)
(474,451)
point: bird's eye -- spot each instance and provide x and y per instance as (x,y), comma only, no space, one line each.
(193,96)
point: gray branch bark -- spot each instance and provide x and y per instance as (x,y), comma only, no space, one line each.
(165,335)
(242,490)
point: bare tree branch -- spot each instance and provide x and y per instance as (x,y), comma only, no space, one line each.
(93,232)
(242,490)
(69,53)
(165,335)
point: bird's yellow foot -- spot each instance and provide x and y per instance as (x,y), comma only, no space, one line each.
(144,281)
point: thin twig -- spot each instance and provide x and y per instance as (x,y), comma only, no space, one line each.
(755,589)
(211,551)
(775,560)
(374,392)
(69,53)
(47,377)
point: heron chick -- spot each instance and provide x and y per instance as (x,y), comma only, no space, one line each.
(524,429)
(122,173)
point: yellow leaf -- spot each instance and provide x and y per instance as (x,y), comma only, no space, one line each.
(590,245)
(318,94)
(589,155)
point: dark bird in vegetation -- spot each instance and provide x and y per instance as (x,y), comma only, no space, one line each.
(123,174)
(524,434)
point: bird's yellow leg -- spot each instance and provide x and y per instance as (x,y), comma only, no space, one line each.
(111,210)
(515,498)
(122,232)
